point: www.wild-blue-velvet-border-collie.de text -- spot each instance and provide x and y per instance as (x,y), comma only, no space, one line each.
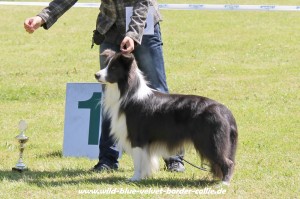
(149,124)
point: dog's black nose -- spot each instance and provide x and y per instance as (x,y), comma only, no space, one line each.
(97,76)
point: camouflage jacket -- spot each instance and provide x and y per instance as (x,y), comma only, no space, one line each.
(111,19)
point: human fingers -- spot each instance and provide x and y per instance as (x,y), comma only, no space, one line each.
(33,23)
(27,25)
(127,45)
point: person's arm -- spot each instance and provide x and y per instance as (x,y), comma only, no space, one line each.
(137,24)
(49,15)
(136,27)
(55,10)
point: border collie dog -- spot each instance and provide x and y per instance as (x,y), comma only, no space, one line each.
(149,124)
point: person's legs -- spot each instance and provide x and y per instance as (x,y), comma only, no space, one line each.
(149,57)
(109,152)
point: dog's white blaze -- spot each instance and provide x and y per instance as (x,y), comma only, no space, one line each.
(103,73)
(108,63)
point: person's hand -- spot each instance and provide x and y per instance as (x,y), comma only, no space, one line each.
(127,45)
(33,23)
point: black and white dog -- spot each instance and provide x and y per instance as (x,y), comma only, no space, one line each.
(148,123)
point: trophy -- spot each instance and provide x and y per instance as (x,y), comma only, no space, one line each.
(22,139)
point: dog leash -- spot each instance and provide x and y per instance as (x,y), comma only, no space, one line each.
(200,168)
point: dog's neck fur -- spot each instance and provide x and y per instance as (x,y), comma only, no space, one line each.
(137,85)
(133,88)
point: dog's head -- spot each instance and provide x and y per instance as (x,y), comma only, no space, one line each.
(117,68)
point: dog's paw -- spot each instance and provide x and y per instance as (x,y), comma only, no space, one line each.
(134,179)
(225,183)
(221,185)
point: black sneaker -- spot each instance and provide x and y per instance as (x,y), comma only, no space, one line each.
(175,166)
(103,166)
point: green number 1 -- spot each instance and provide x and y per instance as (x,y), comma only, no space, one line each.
(95,106)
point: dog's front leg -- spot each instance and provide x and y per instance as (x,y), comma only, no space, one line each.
(137,156)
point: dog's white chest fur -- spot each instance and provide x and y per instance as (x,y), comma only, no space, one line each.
(118,120)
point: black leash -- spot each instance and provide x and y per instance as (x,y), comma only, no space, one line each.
(201,168)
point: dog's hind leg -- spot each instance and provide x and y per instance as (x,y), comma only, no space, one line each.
(227,170)
(223,170)
(216,171)
(230,160)
(218,152)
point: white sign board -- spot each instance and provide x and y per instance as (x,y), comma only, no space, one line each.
(82,120)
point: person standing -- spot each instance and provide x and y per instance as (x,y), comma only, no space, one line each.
(111,33)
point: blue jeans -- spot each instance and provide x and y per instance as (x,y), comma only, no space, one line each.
(149,57)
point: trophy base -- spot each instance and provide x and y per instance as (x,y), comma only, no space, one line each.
(20,170)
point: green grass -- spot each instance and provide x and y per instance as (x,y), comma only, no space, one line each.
(247,60)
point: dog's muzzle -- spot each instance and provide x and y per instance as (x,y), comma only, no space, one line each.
(97,76)
(100,77)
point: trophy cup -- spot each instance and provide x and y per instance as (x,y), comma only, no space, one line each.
(22,139)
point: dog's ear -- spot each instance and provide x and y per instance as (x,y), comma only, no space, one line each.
(127,59)
(108,53)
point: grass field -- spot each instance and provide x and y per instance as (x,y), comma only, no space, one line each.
(249,61)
